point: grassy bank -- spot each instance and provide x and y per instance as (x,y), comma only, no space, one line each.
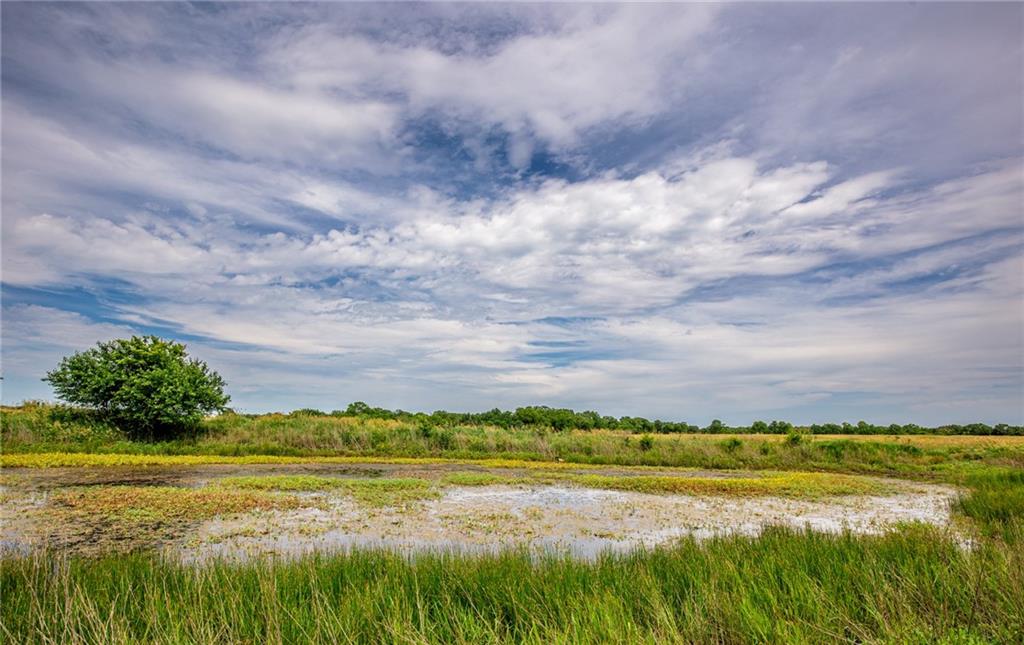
(914,586)
(288,438)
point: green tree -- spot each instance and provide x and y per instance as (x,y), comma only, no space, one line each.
(146,385)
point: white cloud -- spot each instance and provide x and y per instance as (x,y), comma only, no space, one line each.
(846,198)
(602,65)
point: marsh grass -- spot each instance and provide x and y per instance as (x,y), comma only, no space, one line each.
(914,586)
(995,504)
(801,485)
(485,479)
(797,485)
(93,520)
(297,438)
(385,491)
(379,491)
(166,502)
(395,491)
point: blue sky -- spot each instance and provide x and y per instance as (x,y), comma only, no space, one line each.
(809,212)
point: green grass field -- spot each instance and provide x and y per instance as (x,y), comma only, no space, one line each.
(917,584)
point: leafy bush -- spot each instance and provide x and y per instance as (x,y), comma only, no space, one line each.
(145,385)
(731,444)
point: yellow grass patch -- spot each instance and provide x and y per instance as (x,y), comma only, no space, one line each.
(76,459)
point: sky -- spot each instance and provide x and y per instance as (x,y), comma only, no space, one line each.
(808,212)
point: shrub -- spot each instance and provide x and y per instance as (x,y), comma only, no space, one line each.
(308,412)
(145,385)
(732,444)
(646,442)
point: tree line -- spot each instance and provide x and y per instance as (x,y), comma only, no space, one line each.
(567,419)
(151,388)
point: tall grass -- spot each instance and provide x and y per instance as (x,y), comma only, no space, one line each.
(915,586)
(33,429)
(996,503)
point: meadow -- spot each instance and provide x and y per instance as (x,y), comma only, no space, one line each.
(915,583)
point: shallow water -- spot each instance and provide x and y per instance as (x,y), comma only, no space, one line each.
(583,522)
(564,518)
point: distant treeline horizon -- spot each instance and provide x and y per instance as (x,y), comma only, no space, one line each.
(568,419)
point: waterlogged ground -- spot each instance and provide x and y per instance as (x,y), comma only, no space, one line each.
(240,511)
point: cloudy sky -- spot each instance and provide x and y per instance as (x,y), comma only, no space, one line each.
(808,212)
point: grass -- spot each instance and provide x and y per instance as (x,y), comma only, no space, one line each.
(94,520)
(914,586)
(390,491)
(803,485)
(32,437)
(484,479)
(996,504)
(776,484)
(393,491)
(165,503)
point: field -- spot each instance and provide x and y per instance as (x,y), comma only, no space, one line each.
(296,528)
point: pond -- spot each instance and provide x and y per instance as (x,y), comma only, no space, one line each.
(200,512)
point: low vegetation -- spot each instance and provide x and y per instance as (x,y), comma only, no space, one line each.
(386,491)
(40,435)
(164,503)
(566,419)
(775,484)
(382,490)
(913,586)
(97,520)
(917,584)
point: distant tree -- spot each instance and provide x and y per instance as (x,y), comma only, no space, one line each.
(759,427)
(357,407)
(145,385)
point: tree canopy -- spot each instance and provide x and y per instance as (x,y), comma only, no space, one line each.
(145,385)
